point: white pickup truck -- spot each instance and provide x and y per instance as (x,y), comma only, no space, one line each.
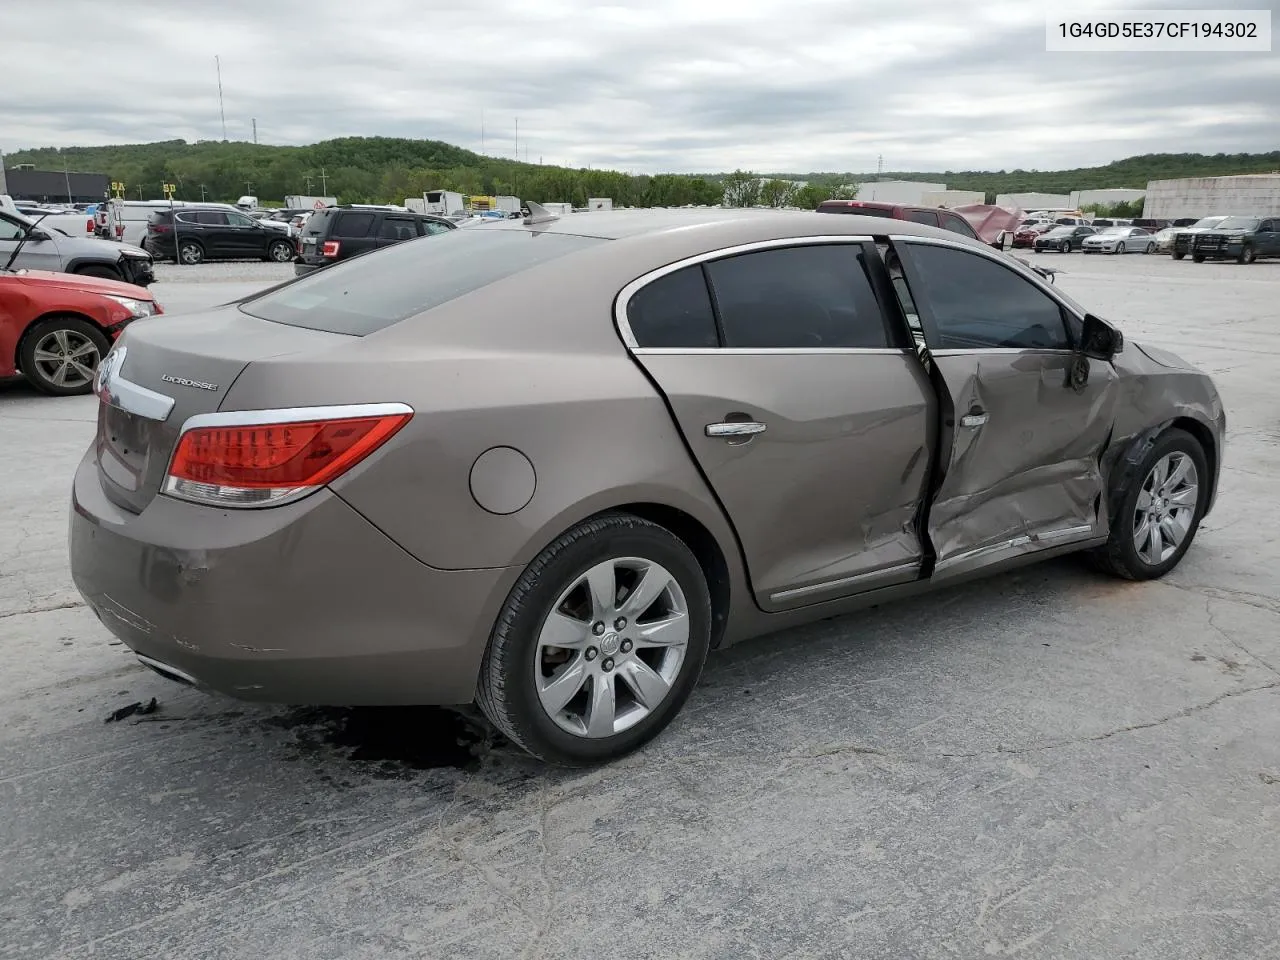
(72,224)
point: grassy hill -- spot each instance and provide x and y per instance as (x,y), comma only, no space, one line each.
(371,169)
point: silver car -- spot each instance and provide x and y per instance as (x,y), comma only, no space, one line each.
(47,248)
(1120,240)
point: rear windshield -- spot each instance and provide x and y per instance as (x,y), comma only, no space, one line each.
(367,293)
(839,207)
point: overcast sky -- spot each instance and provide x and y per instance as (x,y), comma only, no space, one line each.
(663,85)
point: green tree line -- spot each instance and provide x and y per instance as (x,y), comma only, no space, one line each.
(383,169)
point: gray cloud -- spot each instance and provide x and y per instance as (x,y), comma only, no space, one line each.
(648,87)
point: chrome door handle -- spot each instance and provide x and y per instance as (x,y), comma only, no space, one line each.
(735,428)
(973,419)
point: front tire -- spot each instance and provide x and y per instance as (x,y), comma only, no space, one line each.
(599,644)
(1119,248)
(100,271)
(1064,246)
(60,356)
(1248,254)
(1160,513)
(1197,258)
(1178,256)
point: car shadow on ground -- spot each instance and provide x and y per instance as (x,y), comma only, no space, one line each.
(402,742)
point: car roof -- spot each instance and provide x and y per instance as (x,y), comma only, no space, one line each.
(724,227)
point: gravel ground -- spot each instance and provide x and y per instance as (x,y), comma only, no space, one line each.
(1047,764)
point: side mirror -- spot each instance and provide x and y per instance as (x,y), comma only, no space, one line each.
(35,234)
(1100,340)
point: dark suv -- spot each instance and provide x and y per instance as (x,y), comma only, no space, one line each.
(1243,239)
(214,233)
(338,233)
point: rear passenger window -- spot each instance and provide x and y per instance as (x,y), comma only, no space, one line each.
(673,311)
(923,216)
(806,297)
(353,225)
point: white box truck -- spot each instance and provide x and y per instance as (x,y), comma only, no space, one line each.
(507,204)
(309,203)
(443,203)
(600,203)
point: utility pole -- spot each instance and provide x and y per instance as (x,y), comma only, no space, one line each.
(67,177)
(879,166)
(218,64)
(324,183)
(204,194)
(255,129)
(248,187)
(308,178)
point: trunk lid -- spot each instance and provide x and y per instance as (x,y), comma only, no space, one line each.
(191,360)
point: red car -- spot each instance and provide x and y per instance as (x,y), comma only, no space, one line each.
(56,327)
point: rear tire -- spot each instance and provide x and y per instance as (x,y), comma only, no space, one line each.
(60,356)
(1150,496)
(98,270)
(521,667)
(1178,256)
(1151,248)
(190,253)
(280,251)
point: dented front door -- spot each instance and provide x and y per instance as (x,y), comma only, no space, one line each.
(1028,417)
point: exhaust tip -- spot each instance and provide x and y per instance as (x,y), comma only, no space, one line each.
(168,672)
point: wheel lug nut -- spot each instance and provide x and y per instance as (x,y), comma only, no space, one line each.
(620,623)
(597,628)
(607,664)
(592,653)
(626,646)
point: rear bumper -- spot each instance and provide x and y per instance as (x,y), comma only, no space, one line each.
(301,267)
(307,603)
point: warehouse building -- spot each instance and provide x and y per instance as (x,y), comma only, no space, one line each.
(1035,201)
(1104,198)
(1256,195)
(952,198)
(909,192)
(24,182)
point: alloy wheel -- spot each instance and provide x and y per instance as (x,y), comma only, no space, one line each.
(66,358)
(1166,507)
(610,650)
(191,254)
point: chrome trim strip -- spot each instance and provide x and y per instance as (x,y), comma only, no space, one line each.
(630,290)
(161,667)
(874,575)
(115,391)
(768,351)
(1049,536)
(998,351)
(253,418)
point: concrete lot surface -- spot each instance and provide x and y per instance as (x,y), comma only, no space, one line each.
(1048,764)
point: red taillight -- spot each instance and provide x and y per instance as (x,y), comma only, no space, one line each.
(88,226)
(219,461)
(155,228)
(330,248)
(119,229)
